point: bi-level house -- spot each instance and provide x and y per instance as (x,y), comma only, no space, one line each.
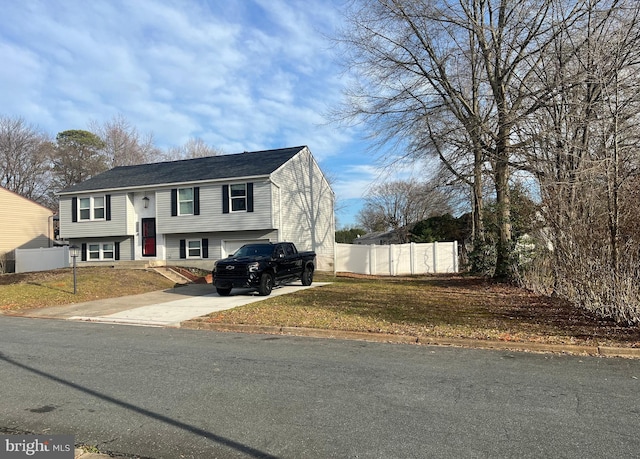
(192,212)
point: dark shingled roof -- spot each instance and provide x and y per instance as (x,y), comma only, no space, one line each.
(246,164)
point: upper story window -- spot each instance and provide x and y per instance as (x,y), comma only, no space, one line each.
(185,201)
(98,208)
(90,208)
(238,197)
(84,207)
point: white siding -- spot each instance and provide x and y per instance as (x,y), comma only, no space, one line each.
(306,206)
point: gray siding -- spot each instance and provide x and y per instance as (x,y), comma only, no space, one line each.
(211,217)
(307,206)
(117,226)
(216,240)
(126,248)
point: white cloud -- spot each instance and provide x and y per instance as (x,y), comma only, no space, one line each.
(241,75)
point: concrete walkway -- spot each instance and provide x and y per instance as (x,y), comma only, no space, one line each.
(165,308)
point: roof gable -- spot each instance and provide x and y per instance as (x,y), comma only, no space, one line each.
(247,164)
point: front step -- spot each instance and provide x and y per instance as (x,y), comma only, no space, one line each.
(172,275)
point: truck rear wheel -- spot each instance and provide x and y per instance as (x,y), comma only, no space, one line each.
(307,276)
(266,284)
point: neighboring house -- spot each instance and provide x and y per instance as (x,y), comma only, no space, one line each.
(25,225)
(195,211)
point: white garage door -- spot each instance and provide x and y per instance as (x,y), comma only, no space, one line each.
(229,247)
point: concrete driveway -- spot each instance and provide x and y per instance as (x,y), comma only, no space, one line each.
(166,308)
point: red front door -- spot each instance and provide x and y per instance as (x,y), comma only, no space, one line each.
(148,237)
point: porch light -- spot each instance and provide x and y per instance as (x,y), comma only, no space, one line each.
(145,201)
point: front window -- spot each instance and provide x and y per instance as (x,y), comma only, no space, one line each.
(185,201)
(238,197)
(84,208)
(194,248)
(107,251)
(94,251)
(98,208)
(100,251)
(92,208)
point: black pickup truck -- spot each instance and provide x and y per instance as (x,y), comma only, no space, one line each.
(263,266)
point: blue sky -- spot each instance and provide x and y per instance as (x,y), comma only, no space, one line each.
(240,74)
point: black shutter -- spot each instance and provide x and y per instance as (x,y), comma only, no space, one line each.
(205,248)
(74,209)
(225,199)
(107,205)
(183,248)
(116,247)
(196,200)
(83,252)
(249,197)
(174,202)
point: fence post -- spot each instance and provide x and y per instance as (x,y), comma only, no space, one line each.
(455,256)
(412,258)
(392,258)
(372,260)
(435,257)
(335,258)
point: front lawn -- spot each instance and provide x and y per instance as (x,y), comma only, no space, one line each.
(452,306)
(54,288)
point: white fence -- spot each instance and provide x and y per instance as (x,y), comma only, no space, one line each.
(43,259)
(395,260)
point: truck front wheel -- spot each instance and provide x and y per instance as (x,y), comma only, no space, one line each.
(307,276)
(223,291)
(266,284)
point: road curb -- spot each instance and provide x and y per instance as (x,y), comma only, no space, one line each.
(605,351)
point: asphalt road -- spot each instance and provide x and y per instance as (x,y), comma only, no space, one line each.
(171,393)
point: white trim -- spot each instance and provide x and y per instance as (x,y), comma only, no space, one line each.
(187,248)
(92,208)
(168,185)
(192,201)
(101,251)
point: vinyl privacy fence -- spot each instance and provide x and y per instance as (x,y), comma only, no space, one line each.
(397,259)
(44,259)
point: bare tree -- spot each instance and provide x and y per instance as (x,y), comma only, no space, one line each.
(193,148)
(398,205)
(586,159)
(24,160)
(123,144)
(454,76)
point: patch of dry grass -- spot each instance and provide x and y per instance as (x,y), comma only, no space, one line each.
(434,306)
(54,288)
(421,306)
